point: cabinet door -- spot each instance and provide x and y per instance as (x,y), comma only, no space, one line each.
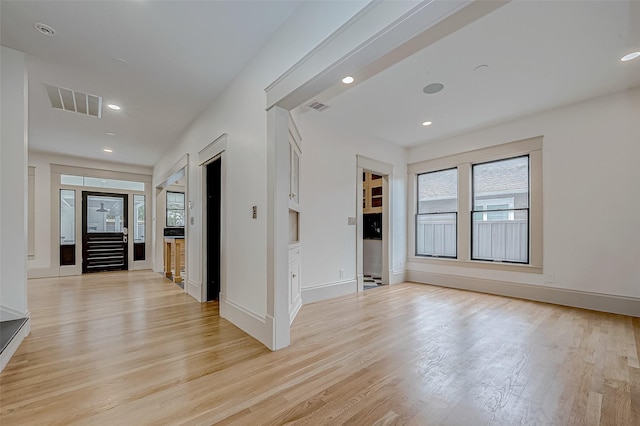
(294,270)
(295,289)
(294,184)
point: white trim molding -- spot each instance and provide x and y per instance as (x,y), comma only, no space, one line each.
(293,312)
(397,277)
(9,314)
(329,290)
(558,296)
(251,323)
(215,148)
(380,35)
(43,272)
(165,179)
(193,289)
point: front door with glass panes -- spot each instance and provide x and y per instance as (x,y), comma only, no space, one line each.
(104,232)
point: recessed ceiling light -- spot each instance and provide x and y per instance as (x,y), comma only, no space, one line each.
(110,134)
(114,107)
(427,123)
(433,88)
(347,80)
(44,29)
(107,149)
(630,56)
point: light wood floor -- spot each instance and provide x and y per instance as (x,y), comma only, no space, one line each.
(132,349)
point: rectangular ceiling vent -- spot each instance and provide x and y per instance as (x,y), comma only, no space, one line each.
(70,100)
(318,106)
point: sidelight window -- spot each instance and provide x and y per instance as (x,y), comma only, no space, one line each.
(67,227)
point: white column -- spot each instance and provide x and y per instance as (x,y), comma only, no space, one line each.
(13,182)
(278,226)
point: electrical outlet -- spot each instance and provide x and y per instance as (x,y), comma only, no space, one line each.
(254,212)
(550,279)
(351,220)
(341,273)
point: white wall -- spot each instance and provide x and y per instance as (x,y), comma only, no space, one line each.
(328,196)
(13,181)
(590,190)
(240,112)
(41,264)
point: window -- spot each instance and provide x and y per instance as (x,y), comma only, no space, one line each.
(101,183)
(437,214)
(67,227)
(175,208)
(480,208)
(138,213)
(500,217)
(138,230)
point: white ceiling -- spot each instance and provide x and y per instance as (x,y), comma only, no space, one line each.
(540,55)
(180,55)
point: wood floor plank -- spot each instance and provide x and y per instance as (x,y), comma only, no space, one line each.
(132,348)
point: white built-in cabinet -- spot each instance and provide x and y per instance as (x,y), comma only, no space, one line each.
(295,249)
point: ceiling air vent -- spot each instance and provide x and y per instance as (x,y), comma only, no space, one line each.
(70,100)
(318,106)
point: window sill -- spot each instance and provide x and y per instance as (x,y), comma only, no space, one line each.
(478,264)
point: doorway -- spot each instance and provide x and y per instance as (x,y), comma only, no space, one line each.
(213,194)
(372,227)
(104,232)
(375,216)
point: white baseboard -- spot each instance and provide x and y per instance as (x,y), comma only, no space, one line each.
(194,289)
(139,265)
(11,349)
(294,310)
(251,323)
(329,290)
(559,296)
(396,277)
(8,314)
(44,272)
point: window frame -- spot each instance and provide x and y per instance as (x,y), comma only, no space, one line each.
(463,161)
(418,214)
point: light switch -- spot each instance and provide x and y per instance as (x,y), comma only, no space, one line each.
(192,221)
(351,221)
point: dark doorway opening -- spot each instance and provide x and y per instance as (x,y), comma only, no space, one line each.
(214,192)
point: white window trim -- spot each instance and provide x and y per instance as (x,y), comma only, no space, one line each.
(464,161)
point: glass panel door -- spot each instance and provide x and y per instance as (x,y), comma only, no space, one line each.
(105,233)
